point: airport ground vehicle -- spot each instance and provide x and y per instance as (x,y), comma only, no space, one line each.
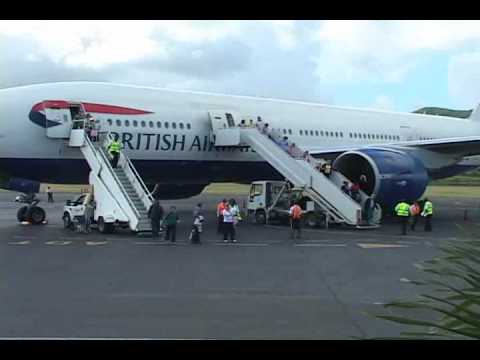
(31,212)
(270,201)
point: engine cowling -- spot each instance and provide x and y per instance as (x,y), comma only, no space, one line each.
(392,175)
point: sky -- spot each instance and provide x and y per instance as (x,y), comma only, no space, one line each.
(388,65)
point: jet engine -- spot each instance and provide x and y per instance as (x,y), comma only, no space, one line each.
(391,175)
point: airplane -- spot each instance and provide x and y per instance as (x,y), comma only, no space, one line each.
(167,135)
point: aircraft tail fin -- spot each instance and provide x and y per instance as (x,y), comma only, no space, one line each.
(475,116)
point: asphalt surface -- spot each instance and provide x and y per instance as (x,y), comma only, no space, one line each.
(55,283)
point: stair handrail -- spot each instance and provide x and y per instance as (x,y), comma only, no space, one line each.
(135,172)
(110,168)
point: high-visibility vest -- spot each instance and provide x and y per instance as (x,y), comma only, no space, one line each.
(296,212)
(402,209)
(220,208)
(427,209)
(114,147)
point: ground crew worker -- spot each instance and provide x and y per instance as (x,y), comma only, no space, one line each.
(414,213)
(50,194)
(427,213)
(220,208)
(114,149)
(155,213)
(295,217)
(228,228)
(403,211)
(196,228)
(170,222)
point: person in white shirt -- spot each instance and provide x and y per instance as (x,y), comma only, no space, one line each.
(228,228)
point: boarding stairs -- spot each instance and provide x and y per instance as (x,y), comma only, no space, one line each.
(121,188)
(300,171)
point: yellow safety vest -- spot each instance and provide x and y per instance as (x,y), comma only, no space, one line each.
(115,147)
(402,209)
(427,209)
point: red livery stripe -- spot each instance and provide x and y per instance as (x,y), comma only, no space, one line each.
(90,107)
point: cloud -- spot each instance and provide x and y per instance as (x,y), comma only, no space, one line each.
(384,51)
(464,79)
(383,102)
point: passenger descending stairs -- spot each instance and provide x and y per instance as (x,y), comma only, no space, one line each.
(125,186)
(341,207)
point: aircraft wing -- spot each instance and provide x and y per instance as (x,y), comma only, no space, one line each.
(458,146)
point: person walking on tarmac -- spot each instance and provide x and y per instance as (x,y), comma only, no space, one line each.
(402,210)
(155,213)
(228,228)
(427,213)
(220,208)
(295,217)
(170,222)
(414,213)
(50,194)
(114,149)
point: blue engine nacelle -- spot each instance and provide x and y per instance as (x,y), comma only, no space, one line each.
(392,175)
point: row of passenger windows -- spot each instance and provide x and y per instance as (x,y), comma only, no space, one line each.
(151,124)
(425,138)
(339,134)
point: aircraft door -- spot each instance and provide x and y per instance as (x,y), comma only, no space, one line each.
(408,133)
(58,120)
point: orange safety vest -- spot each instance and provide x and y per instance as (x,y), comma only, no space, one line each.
(296,212)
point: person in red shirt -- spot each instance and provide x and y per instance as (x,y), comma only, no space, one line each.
(295,217)
(220,208)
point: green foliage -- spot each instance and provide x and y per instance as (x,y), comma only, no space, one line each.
(455,302)
(444,112)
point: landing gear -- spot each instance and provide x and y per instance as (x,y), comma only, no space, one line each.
(31,212)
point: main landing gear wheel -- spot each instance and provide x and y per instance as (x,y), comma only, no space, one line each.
(36,215)
(22,214)
(103,227)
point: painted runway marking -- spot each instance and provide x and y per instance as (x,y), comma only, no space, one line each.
(93,338)
(25,242)
(380,246)
(407,242)
(60,243)
(96,243)
(23,237)
(158,243)
(241,244)
(320,245)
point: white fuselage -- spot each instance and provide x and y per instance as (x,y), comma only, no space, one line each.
(178,127)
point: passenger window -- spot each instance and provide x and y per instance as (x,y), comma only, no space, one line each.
(316,132)
(341,134)
(118,122)
(188,126)
(326,133)
(159,124)
(311,132)
(285,131)
(135,123)
(143,123)
(364,136)
(110,122)
(350,134)
(290,131)
(165,124)
(150,123)
(127,123)
(301,132)
(174,125)
(306,132)
(180,125)
(321,132)
(331,133)
(336,134)
(368,136)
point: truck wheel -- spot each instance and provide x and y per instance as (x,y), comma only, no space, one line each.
(67,221)
(22,214)
(36,215)
(103,227)
(311,221)
(260,217)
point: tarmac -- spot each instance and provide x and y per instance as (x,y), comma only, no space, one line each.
(58,284)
